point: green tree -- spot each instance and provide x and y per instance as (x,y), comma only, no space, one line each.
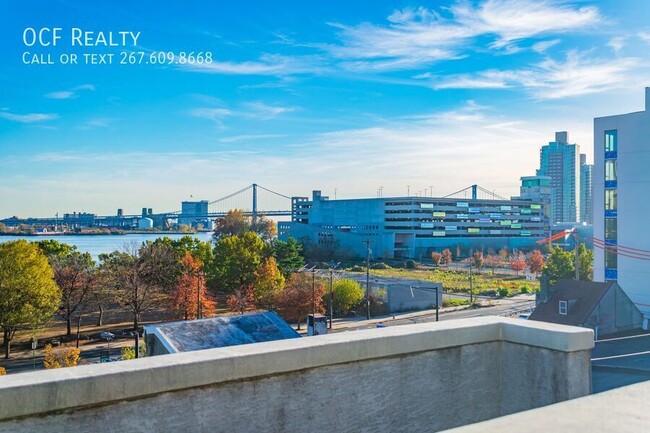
(585,263)
(288,255)
(237,259)
(54,248)
(559,266)
(29,295)
(347,293)
(235,223)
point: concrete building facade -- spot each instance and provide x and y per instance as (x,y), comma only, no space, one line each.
(560,161)
(413,227)
(586,190)
(621,207)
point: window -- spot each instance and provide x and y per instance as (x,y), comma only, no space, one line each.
(610,228)
(610,199)
(611,140)
(563,308)
(610,258)
(610,169)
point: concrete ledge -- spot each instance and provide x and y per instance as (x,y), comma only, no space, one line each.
(94,385)
(620,410)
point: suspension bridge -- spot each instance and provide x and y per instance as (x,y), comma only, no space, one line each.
(254,200)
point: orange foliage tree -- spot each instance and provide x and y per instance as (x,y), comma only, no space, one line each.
(189,290)
(536,262)
(296,300)
(242,300)
(518,263)
(436,257)
(446,256)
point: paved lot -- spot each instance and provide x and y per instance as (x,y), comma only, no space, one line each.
(620,361)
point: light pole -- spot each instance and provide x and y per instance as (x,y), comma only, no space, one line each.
(331,305)
(34,342)
(368,279)
(199,274)
(108,337)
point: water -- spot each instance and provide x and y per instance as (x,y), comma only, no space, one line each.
(98,244)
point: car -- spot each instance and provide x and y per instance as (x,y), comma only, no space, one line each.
(524,316)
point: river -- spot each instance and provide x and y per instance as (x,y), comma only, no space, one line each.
(98,244)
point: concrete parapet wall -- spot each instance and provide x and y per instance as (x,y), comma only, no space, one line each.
(423,377)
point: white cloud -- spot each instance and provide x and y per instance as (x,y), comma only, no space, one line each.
(542,46)
(268,64)
(616,43)
(551,79)
(28,118)
(216,115)
(71,93)
(644,36)
(260,110)
(417,37)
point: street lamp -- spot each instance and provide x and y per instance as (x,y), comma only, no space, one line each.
(108,337)
(34,342)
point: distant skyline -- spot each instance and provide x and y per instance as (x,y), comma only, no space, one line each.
(308,95)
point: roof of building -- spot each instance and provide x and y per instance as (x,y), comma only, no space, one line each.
(586,295)
(185,336)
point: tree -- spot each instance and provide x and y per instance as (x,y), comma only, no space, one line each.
(269,283)
(436,257)
(503,254)
(235,223)
(3,372)
(559,266)
(190,292)
(265,228)
(69,357)
(296,300)
(492,261)
(140,279)
(517,263)
(29,295)
(75,274)
(288,255)
(446,256)
(536,262)
(237,259)
(477,257)
(347,293)
(585,263)
(54,248)
(241,300)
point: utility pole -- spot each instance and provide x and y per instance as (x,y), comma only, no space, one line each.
(408,190)
(471,287)
(577,265)
(331,296)
(254,203)
(367,242)
(431,189)
(313,298)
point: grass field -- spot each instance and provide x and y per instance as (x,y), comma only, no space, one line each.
(458,281)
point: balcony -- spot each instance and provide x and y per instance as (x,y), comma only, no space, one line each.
(416,378)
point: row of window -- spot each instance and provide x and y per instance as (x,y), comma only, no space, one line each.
(611,205)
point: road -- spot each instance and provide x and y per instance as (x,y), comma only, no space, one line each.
(89,356)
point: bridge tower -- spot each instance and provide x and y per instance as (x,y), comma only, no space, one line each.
(254,203)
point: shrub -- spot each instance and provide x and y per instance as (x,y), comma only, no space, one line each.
(67,358)
(524,289)
(3,371)
(410,264)
(380,265)
(454,302)
(503,292)
(357,268)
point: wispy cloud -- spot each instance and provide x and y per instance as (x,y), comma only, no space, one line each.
(249,137)
(216,115)
(417,37)
(644,36)
(616,43)
(28,118)
(70,93)
(268,64)
(263,111)
(542,46)
(553,79)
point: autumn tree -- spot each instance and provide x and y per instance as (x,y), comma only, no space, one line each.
(436,257)
(503,255)
(140,278)
(477,258)
(190,292)
(492,262)
(241,300)
(301,292)
(75,274)
(29,295)
(235,223)
(446,256)
(269,283)
(68,357)
(517,263)
(535,262)
(288,255)
(347,293)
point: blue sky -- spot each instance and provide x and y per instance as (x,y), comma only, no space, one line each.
(307,95)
